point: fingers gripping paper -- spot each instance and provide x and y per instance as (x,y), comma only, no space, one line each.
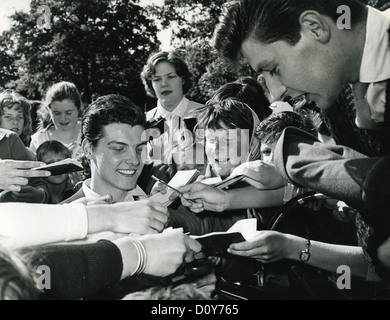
(181,178)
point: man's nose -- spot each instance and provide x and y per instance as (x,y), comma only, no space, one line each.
(276,88)
(132,158)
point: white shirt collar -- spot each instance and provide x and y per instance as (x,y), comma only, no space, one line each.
(375,66)
(90,194)
(179,111)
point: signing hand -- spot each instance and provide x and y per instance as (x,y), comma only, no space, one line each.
(14,174)
(204,198)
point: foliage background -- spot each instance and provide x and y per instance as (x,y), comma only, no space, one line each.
(102,45)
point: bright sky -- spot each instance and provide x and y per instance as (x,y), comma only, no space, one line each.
(8,7)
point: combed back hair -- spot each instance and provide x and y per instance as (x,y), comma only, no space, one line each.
(181,67)
(58,92)
(225,114)
(53,146)
(16,280)
(270,129)
(9,99)
(247,90)
(112,108)
(268,21)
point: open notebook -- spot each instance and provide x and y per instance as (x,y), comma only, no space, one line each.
(216,243)
(61,167)
(181,178)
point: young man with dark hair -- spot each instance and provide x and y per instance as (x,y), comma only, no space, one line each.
(308,48)
(337,54)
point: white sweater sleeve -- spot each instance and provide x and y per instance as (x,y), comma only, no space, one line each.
(27,224)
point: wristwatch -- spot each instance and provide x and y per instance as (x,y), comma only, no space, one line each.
(305,254)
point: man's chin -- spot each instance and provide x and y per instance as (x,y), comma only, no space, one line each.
(323,103)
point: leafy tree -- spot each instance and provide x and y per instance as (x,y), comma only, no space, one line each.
(100,45)
(190,21)
(8,69)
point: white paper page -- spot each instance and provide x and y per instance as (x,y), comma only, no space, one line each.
(181,178)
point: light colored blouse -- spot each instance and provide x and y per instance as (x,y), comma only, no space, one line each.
(43,135)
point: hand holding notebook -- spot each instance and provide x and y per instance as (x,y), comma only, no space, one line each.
(61,167)
(217,243)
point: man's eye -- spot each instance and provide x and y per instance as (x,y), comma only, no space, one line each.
(140,149)
(274,71)
(119,149)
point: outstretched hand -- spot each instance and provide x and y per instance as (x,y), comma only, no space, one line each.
(203,197)
(260,174)
(166,252)
(266,247)
(15,174)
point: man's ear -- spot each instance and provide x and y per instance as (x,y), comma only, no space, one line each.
(87,148)
(316,25)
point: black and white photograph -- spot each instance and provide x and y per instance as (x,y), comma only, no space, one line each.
(206,152)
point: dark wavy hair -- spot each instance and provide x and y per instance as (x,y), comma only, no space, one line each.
(270,129)
(16,278)
(112,108)
(10,98)
(247,90)
(229,113)
(53,146)
(173,58)
(269,21)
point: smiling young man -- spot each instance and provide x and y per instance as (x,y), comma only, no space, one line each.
(113,142)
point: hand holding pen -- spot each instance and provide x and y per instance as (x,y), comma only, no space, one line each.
(199,197)
(184,196)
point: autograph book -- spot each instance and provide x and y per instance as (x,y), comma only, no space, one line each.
(61,167)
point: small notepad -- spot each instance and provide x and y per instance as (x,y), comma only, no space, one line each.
(64,166)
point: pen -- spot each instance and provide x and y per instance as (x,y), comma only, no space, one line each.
(180,194)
